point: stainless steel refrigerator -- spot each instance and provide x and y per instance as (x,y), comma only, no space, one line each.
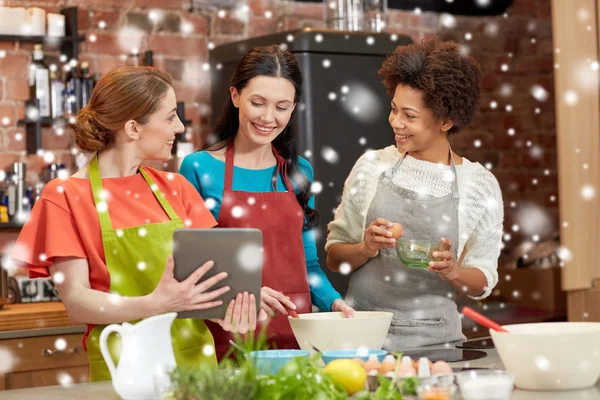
(343,110)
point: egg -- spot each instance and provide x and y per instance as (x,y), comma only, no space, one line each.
(441,367)
(406,370)
(396,230)
(372,364)
(388,364)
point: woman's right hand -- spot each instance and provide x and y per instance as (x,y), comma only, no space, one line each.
(170,295)
(273,302)
(377,237)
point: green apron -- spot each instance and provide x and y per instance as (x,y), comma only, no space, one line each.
(136,258)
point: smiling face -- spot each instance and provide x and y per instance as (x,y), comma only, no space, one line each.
(156,137)
(265,108)
(415,127)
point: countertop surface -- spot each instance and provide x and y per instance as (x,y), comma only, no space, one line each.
(36,319)
(104,390)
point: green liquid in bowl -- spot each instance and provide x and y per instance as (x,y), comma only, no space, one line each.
(417,253)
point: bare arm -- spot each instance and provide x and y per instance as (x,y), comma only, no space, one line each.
(87,305)
(470,281)
(377,237)
(354,254)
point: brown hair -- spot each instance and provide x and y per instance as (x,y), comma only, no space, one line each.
(122,94)
(449,80)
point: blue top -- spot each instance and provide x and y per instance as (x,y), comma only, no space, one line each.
(207,174)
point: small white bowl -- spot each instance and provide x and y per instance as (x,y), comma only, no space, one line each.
(551,355)
(485,384)
(333,331)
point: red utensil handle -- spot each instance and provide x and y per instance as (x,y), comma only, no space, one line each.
(488,323)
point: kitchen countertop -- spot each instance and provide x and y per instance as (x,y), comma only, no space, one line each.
(104,390)
(36,319)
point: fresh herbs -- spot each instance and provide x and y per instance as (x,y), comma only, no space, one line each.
(300,379)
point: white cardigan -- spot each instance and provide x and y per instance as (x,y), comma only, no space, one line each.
(481,209)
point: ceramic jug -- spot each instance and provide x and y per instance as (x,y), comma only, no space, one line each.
(146,350)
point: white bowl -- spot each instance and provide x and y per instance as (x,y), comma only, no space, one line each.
(552,355)
(332,331)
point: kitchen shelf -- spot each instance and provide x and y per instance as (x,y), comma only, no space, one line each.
(45,121)
(11,226)
(41,39)
(69,44)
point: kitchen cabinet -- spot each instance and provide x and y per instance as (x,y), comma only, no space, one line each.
(577,101)
(40,346)
(44,361)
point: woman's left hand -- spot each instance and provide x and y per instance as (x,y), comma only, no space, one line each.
(341,306)
(241,314)
(447,269)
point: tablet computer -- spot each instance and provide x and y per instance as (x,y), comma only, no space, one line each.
(237,251)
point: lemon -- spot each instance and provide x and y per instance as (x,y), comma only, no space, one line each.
(347,373)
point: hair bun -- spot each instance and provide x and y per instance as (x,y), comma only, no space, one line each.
(90,135)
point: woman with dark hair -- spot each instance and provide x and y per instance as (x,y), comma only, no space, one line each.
(431,191)
(96,232)
(250,175)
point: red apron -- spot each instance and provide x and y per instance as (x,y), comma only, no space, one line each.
(281,219)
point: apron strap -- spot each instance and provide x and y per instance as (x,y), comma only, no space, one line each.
(281,167)
(229,165)
(455,193)
(159,195)
(97,189)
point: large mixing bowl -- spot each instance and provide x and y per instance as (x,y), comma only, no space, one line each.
(552,355)
(333,331)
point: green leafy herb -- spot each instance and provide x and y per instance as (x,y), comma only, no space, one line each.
(237,378)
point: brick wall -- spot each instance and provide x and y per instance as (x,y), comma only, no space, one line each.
(515,51)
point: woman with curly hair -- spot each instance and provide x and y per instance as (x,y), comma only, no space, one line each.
(431,191)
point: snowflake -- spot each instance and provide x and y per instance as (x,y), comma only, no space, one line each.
(539,93)
(345,268)
(330,155)
(58,277)
(208,350)
(542,363)
(250,257)
(448,21)
(588,192)
(65,379)
(571,97)
(316,187)
(60,344)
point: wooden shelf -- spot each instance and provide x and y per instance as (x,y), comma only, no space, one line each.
(41,39)
(34,316)
(11,226)
(45,121)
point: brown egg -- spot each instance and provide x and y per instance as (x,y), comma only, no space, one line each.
(441,367)
(396,230)
(406,370)
(372,364)
(387,365)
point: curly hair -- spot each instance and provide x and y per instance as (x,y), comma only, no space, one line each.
(449,80)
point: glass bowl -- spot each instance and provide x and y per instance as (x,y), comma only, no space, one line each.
(485,384)
(416,253)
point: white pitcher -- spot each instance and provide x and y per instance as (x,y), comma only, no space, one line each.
(146,350)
